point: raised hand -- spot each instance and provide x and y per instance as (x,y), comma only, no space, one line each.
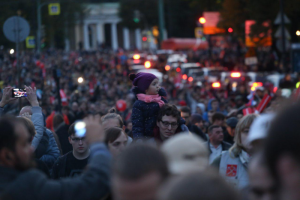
(7,96)
(31,96)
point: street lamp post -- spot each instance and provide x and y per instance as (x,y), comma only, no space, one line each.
(39,19)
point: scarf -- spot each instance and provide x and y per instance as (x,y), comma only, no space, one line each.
(151,98)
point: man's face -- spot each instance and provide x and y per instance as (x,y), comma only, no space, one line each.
(200,125)
(262,186)
(23,154)
(186,116)
(167,126)
(214,105)
(216,135)
(75,107)
(231,131)
(219,122)
(79,144)
(144,188)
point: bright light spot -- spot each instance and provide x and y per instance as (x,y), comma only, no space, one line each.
(190,79)
(12,51)
(255,85)
(234,84)
(298,33)
(202,20)
(144,38)
(178,69)
(147,64)
(235,74)
(80,80)
(252,88)
(184,76)
(136,56)
(297,85)
(167,67)
(275,89)
(230,30)
(216,85)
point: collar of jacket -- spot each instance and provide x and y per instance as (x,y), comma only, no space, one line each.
(208,143)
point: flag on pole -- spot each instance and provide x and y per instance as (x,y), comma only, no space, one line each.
(248,111)
(63,97)
(263,103)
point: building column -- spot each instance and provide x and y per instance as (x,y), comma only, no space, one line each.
(100,34)
(126,38)
(86,37)
(114,36)
(138,38)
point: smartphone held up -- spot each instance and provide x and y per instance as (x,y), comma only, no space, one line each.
(17,93)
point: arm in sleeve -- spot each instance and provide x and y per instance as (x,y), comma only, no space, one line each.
(52,152)
(137,119)
(38,122)
(1,111)
(91,184)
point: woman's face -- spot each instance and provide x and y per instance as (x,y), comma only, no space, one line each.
(244,136)
(118,145)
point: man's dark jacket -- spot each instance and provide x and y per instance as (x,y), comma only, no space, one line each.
(225,146)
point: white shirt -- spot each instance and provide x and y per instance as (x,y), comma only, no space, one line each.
(215,152)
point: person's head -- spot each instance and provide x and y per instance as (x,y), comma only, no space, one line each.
(262,185)
(57,120)
(197,120)
(282,150)
(218,119)
(241,133)
(79,144)
(15,144)
(168,121)
(66,110)
(186,114)
(112,119)
(146,82)
(230,125)
(210,114)
(185,153)
(138,172)
(25,109)
(74,106)
(116,140)
(214,105)
(215,134)
(28,125)
(206,185)
(129,125)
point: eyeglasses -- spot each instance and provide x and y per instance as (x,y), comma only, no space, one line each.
(167,124)
(78,139)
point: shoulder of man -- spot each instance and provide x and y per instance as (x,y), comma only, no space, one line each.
(226,145)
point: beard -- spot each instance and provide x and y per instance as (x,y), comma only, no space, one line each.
(22,166)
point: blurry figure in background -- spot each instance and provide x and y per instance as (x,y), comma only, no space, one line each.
(76,112)
(210,114)
(186,115)
(258,132)
(112,119)
(197,185)
(185,153)
(72,163)
(197,120)
(138,172)
(49,119)
(66,111)
(116,140)
(200,109)
(168,120)
(282,150)
(149,101)
(61,129)
(230,127)
(31,130)
(218,119)
(213,106)
(262,185)
(233,164)
(215,143)
(128,129)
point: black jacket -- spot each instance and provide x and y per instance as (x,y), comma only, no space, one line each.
(194,129)
(62,133)
(225,146)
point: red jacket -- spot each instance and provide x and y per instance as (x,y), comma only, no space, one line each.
(49,121)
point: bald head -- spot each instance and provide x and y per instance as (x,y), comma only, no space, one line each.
(26,109)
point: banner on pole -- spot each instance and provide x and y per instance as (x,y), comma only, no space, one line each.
(30,42)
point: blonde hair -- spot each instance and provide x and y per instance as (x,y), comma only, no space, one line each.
(244,123)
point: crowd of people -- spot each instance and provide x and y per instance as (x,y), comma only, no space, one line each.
(164,142)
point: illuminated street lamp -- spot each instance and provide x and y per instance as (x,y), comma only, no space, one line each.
(12,51)
(298,33)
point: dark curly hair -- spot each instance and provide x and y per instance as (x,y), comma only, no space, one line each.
(169,110)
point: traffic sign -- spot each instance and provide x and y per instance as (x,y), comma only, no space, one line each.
(16,29)
(30,42)
(278,19)
(278,33)
(54,8)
